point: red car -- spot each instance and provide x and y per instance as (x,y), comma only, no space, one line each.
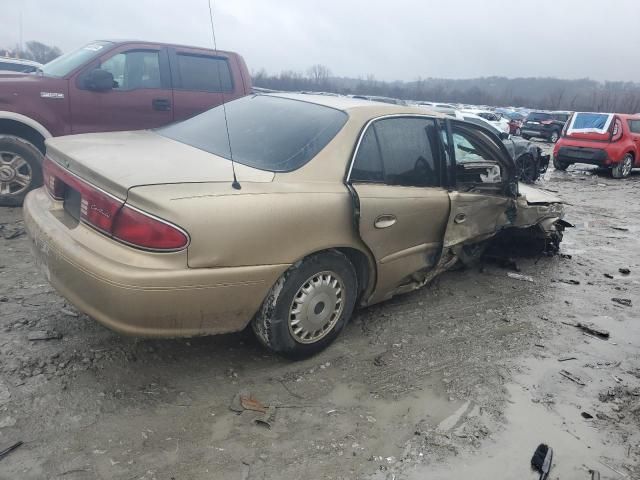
(609,140)
(106,86)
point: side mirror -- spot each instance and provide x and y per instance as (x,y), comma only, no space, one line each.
(99,80)
(505,136)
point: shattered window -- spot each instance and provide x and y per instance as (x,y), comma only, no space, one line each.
(465,149)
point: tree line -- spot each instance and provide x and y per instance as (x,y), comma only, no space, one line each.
(36,51)
(536,93)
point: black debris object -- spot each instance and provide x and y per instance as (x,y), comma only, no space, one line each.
(7,451)
(586,415)
(566,359)
(541,460)
(566,255)
(624,271)
(622,301)
(39,335)
(570,281)
(621,229)
(595,474)
(608,275)
(572,377)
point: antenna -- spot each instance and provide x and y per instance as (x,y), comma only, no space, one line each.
(235,184)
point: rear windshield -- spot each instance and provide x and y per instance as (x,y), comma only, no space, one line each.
(591,121)
(538,117)
(270,133)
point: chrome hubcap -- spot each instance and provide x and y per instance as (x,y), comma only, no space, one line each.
(626,166)
(316,307)
(554,137)
(15,174)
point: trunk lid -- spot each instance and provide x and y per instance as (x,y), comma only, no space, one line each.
(116,162)
(595,127)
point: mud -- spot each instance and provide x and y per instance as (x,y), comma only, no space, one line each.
(457,380)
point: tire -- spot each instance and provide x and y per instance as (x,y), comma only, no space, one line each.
(558,165)
(554,137)
(623,169)
(527,169)
(319,292)
(526,137)
(20,170)
(470,255)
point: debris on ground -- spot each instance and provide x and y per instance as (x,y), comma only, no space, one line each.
(592,329)
(622,301)
(621,229)
(608,275)
(595,474)
(572,377)
(268,419)
(542,460)
(569,281)
(624,271)
(10,232)
(70,313)
(246,401)
(39,335)
(566,359)
(518,276)
(586,415)
(7,451)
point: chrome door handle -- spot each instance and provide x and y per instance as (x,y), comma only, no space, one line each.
(385,221)
(460,218)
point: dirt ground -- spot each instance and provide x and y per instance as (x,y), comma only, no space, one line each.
(461,379)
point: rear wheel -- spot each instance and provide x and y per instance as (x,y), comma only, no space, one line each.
(623,169)
(554,137)
(20,169)
(308,306)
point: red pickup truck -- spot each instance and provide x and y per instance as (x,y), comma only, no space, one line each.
(106,86)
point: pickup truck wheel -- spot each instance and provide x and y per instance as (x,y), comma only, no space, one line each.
(554,137)
(558,165)
(527,168)
(308,306)
(623,169)
(20,170)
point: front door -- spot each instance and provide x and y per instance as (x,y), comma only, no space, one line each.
(482,184)
(141,96)
(403,208)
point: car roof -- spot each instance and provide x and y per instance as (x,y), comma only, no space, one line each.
(352,104)
(162,44)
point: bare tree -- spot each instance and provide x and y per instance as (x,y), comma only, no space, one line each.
(319,74)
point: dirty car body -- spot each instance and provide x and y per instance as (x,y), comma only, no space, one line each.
(343,203)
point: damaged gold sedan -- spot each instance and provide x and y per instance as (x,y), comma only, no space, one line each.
(338,203)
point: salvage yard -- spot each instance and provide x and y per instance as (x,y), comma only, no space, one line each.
(480,366)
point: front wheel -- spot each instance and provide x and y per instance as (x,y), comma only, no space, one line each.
(20,170)
(558,165)
(308,306)
(554,137)
(623,169)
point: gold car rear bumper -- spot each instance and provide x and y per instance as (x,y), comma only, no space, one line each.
(139,300)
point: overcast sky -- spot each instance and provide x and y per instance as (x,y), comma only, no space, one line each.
(393,39)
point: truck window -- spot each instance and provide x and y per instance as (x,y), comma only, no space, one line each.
(134,69)
(209,74)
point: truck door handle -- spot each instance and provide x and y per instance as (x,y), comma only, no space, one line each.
(385,221)
(161,104)
(460,218)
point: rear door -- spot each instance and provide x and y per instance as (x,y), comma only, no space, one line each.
(403,208)
(202,80)
(141,96)
(482,184)
(634,130)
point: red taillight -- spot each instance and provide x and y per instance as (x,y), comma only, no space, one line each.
(111,215)
(616,131)
(139,229)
